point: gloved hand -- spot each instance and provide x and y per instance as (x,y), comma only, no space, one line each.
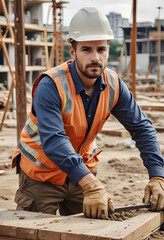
(155,187)
(96,200)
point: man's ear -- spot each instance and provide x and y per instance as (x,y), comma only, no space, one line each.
(108,50)
(72,52)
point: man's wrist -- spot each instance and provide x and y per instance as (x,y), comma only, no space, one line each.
(86,179)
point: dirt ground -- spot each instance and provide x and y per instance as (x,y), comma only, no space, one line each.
(120,169)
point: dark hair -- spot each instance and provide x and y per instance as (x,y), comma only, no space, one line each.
(73,43)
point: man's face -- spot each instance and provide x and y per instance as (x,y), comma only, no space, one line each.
(90,57)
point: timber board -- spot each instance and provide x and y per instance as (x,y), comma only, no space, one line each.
(38,226)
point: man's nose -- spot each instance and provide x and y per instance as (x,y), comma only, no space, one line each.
(95,56)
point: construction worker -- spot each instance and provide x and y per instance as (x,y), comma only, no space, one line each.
(56,154)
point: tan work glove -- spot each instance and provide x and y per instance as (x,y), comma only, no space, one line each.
(96,200)
(155,187)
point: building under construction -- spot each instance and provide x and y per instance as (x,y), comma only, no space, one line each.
(147,50)
(29,47)
(25,39)
(43,46)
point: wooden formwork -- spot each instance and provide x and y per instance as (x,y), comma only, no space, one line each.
(38,226)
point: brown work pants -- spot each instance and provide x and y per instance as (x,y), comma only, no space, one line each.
(46,197)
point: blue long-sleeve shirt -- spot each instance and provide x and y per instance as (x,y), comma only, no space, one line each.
(55,143)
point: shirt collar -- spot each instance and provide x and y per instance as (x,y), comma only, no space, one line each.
(100,83)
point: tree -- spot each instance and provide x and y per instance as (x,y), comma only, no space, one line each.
(115,50)
(66,53)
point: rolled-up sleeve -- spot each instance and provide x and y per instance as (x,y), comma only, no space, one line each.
(55,143)
(141,130)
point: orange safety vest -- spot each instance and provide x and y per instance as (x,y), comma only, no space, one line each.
(33,160)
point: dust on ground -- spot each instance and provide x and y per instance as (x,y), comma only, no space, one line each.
(121,169)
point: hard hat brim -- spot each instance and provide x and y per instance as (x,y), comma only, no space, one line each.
(89,38)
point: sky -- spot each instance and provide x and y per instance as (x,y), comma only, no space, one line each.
(146,9)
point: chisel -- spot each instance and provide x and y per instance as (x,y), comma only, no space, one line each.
(133,207)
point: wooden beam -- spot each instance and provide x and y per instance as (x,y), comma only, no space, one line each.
(45,39)
(46,49)
(6,53)
(117,132)
(20,65)
(159,128)
(30,225)
(29,55)
(10,238)
(129,68)
(3,5)
(53,49)
(152,107)
(12,75)
(159,53)
(29,27)
(29,42)
(150,68)
(28,68)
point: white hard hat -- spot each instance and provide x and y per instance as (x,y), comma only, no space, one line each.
(88,24)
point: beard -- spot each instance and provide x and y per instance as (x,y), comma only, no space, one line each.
(88,71)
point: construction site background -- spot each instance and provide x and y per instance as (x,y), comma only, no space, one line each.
(121,170)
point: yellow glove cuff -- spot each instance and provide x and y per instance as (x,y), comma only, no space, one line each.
(158,179)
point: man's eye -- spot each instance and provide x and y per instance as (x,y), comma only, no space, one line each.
(85,49)
(101,49)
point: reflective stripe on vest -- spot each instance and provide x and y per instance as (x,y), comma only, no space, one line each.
(112,88)
(29,153)
(68,103)
(33,132)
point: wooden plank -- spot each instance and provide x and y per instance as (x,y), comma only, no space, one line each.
(7,19)
(118,132)
(5,229)
(37,43)
(29,55)
(125,133)
(159,128)
(28,68)
(12,75)
(48,227)
(9,238)
(30,42)
(149,70)
(24,233)
(48,235)
(29,27)
(152,107)
(46,49)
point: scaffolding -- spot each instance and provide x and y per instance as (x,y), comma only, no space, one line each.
(52,52)
(58,43)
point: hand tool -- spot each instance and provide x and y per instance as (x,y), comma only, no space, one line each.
(133,207)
